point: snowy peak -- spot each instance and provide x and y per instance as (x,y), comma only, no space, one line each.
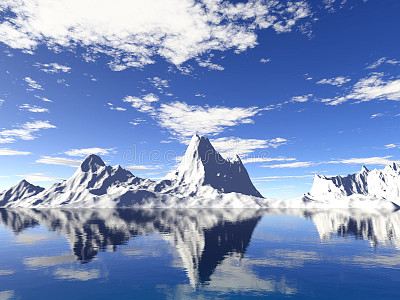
(92,163)
(203,166)
(382,184)
(21,190)
(393,167)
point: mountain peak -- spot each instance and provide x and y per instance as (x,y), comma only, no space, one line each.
(236,160)
(91,163)
(364,169)
(202,165)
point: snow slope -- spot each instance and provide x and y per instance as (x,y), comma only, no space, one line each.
(20,191)
(376,184)
(204,179)
(203,167)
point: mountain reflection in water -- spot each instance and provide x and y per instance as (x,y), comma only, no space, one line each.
(203,238)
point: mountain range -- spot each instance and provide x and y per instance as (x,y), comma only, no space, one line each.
(203,179)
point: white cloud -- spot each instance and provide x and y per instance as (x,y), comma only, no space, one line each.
(391,146)
(337,81)
(265,60)
(140,168)
(376,160)
(370,88)
(63,82)
(24,131)
(159,83)
(117,108)
(266,159)
(184,120)
(43,98)
(200,95)
(53,68)
(381,61)
(298,164)
(209,65)
(137,121)
(10,152)
(273,178)
(303,98)
(33,85)
(230,146)
(137,31)
(86,151)
(39,177)
(59,161)
(376,115)
(142,104)
(33,108)
(1,102)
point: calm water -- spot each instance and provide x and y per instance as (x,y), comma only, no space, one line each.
(199,254)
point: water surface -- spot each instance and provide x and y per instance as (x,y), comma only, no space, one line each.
(199,254)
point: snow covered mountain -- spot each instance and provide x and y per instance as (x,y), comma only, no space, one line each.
(379,184)
(93,182)
(203,167)
(20,191)
(204,178)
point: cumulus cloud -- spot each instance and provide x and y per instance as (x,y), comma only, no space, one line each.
(370,88)
(24,131)
(32,84)
(137,31)
(59,161)
(86,151)
(33,108)
(230,146)
(337,81)
(52,68)
(39,177)
(184,120)
(143,104)
(10,152)
(206,63)
(159,83)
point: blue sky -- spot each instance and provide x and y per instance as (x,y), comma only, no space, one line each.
(295,88)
